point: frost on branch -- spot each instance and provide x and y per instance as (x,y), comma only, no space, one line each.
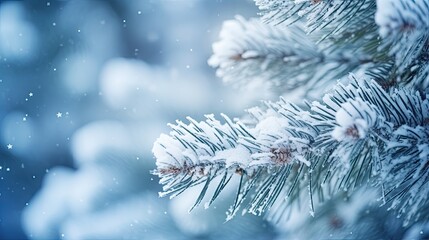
(400,56)
(384,135)
(262,158)
(284,58)
(359,135)
(398,17)
(191,153)
(404,26)
(354,118)
(364,134)
(407,170)
(251,50)
(336,19)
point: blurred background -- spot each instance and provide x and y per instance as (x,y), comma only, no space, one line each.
(86,87)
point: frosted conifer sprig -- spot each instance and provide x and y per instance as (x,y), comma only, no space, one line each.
(404,27)
(251,49)
(364,134)
(186,157)
(378,137)
(398,17)
(334,18)
(338,144)
(350,124)
(284,57)
(406,175)
(358,123)
(263,159)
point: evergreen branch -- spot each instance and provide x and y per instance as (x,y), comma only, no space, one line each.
(344,217)
(404,27)
(399,17)
(200,151)
(352,26)
(407,175)
(340,143)
(417,75)
(284,57)
(336,18)
(386,134)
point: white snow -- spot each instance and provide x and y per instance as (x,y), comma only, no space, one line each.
(235,156)
(251,53)
(354,118)
(395,16)
(159,151)
(271,124)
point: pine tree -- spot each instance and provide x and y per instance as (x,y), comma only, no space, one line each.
(368,132)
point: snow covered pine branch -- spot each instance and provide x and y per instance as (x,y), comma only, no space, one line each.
(358,133)
(363,134)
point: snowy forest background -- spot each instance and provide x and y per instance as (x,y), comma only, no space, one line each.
(115,72)
(87,88)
